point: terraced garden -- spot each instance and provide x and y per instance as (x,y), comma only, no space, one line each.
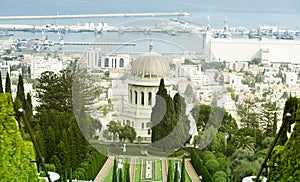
(145,169)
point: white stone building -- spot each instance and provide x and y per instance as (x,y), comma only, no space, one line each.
(268,50)
(114,61)
(38,66)
(190,71)
(290,78)
(4,70)
(227,103)
(146,73)
(93,56)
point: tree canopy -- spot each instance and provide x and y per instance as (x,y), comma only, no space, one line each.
(16,153)
(1,86)
(285,157)
(57,130)
(170,126)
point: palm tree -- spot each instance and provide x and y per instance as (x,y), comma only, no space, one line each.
(245,142)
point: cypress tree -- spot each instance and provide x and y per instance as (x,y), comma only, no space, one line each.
(182,179)
(66,176)
(70,175)
(128,173)
(115,177)
(183,123)
(7,84)
(163,122)
(28,107)
(170,177)
(176,175)
(1,86)
(20,91)
(120,175)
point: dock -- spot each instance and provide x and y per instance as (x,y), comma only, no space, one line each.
(114,15)
(98,43)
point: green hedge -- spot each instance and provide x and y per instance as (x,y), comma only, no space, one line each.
(15,152)
(91,166)
(200,168)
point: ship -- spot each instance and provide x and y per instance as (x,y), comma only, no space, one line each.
(254,34)
(6,34)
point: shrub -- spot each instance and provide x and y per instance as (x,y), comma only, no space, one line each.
(212,165)
(51,167)
(199,168)
(220,174)
(208,157)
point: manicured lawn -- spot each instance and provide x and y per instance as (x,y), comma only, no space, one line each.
(187,177)
(108,177)
(126,163)
(158,169)
(138,168)
(137,172)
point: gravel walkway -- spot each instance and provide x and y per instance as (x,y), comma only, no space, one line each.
(105,169)
(191,171)
(132,168)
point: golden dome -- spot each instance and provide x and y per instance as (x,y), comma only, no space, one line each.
(151,65)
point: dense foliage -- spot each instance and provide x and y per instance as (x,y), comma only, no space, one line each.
(228,149)
(1,86)
(182,177)
(16,153)
(58,133)
(115,174)
(90,167)
(200,168)
(170,126)
(7,84)
(170,176)
(284,161)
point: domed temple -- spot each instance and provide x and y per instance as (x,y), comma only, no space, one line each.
(146,73)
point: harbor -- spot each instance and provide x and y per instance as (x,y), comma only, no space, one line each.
(111,15)
(181,34)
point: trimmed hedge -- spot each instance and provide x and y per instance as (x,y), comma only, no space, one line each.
(91,166)
(200,168)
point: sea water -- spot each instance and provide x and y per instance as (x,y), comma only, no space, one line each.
(248,14)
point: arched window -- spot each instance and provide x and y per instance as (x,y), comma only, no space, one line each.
(142,98)
(130,97)
(121,62)
(106,62)
(135,97)
(149,98)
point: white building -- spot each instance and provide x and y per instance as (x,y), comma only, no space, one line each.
(190,71)
(38,66)
(4,70)
(290,78)
(235,81)
(247,49)
(93,56)
(114,61)
(28,88)
(146,74)
(227,103)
